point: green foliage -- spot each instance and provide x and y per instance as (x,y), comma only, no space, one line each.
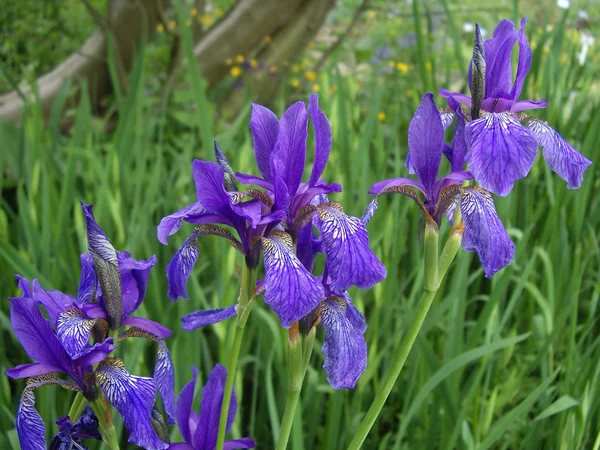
(507,363)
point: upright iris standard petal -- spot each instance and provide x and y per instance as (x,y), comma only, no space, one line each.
(498,51)
(502,151)
(291,291)
(322,131)
(180,267)
(349,258)
(484,232)
(264,127)
(459,144)
(88,281)
(201,318)
(106,266)
(205,436)
(345,348)
(560,155)
(134,280)
(425,141)
(524,64)
(292,145)
(184,408)
(133,397)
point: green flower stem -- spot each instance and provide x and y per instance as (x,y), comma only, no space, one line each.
(299,352)
(79,404)
(435,269)
(247,289)
(106,427)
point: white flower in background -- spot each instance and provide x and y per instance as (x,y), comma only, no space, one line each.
(582,14)
(587,40)
(563,4)
(483,32)
(468,27)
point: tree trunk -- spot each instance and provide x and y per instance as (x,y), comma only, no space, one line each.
(130,21)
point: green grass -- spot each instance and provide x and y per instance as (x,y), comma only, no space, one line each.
(507,363)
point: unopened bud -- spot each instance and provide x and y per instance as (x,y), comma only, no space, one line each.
(478,74)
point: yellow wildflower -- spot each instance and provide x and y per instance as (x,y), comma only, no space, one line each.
(193,12)
(160,28)
(316,88)
(228,61)
(371,14)
(267,39)
(206,20)
(402,67)
(218,12)
(428,65)
(235,71)
(272,69)
(381,116)
(310,75)
(171,24)
(239,59)
(253,63)
(294,83)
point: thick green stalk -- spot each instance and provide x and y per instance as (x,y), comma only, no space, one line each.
(243,310)
(79,404)
(435,269)
(106,427)
(299,351)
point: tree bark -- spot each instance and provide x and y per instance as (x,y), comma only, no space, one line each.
(130,21)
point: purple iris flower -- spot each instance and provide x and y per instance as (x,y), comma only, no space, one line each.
(70,435)
(502,150)
(200,431)
(89,370)
(484,232)
(273,218)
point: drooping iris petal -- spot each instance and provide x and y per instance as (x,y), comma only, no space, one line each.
(370,211)
(30,426)
(184,407)
(180,267)
(344,347)
(425,141)
(498,51)
(194,213)
(382,185)
(88,281)
(322,131)
(524,64)
(292,145)
(29,370)
(134,280)
(447,117)
(205,436)
(354,315)
(201,318)
(106,266)
(562,158)
(484,232)
(73,329)
(155,328)
(133,397)
(239,443)
(502,151)
(164,376)
(36,336)
(349,258)
(291,291)
(264,127)
(54,302)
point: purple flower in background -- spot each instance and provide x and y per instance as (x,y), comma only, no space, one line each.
(502,150)
(87,371)
(70,435)
(200,431)
(484,232)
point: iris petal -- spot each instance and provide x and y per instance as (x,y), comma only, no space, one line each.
(345,348)
(184,407)
(502,151)
(264,128)
(133,397)
(180,267)
(484,232)
(562,158)
(291,291)
(322,131)
(206,317)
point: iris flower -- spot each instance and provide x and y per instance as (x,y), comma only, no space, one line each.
(502,150)
(70,435)
(274,218)
(200,431)
(132,396)
(484,232)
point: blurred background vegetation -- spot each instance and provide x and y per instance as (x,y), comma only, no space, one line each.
(130,91)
